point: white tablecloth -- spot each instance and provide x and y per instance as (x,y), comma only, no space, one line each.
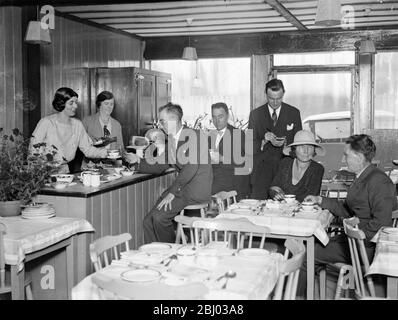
(255,279)
(385,260)
(24,236)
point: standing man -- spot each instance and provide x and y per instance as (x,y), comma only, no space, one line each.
(224,142)
(274,124)
(193,182)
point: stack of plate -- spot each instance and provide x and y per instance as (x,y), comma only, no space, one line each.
(38,211)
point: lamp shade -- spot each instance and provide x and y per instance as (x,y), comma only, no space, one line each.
(35,34)
(328,13)
(367,47)
(189,54)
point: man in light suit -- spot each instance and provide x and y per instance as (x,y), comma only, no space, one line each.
(274,124)
(187,152)
(224,142)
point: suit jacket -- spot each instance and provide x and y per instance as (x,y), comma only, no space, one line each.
(195,173)
(372,198)
(224,177)
(95,130)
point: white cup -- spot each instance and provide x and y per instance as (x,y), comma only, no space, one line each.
(95,179)
(86,177)
(290,198)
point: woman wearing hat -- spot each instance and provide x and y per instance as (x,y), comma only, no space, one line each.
(299,174)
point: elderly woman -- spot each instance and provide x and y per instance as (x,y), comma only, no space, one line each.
(64,131)
(299,174)
(371,198)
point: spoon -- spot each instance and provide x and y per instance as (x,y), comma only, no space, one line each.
(170,259)
(230,274)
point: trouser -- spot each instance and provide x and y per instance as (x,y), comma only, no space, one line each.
(337,250)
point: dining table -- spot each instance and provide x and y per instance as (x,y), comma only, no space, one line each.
(385,260)
(29,239)
(287,221)
(254,276)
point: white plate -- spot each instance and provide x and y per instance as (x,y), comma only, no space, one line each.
(391,230)
(151,248)
(251,202)
(224,295)
(140,275)
(242,211)
(32,214)
(38,217)
(253,252)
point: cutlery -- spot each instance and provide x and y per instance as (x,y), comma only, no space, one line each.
(173,257)
(229,275)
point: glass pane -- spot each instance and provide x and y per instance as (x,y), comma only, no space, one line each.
(317,58)
(196,85)
(386,90)
(333,129)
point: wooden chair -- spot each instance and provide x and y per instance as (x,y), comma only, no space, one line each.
(289,268)
(358,253)
(208,230)
(5,276)
(184,222)
(224,199)
(395,218)
(100,247)
(180,238)
(119,289)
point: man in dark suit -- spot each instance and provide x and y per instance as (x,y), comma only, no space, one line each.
(371,197)
(274,124)
(193,182)
(225,143)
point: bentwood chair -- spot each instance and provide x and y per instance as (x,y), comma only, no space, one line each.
(180,237)
(290,269)
(5,276)
(99,249)
(358,254)
(111,288)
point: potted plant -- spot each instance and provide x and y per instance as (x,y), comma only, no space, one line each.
(23,170)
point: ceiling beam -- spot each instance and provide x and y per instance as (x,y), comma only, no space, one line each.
(276,5)
(245,45)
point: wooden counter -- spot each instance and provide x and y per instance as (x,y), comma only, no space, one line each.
(115,207)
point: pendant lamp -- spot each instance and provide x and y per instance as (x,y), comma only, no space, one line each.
(367,47)
(37,32)
(189,52)
(328,13)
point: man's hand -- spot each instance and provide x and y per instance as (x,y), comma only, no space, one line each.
(268,136)
(278,142)
(314,199)
(166,202)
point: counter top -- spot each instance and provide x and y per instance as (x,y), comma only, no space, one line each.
(80,191)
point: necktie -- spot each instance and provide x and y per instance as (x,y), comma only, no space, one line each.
(274,117)
(106,131)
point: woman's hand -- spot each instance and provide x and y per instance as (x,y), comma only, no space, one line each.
(277,193)
(314,199)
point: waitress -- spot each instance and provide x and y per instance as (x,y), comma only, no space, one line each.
(64,131)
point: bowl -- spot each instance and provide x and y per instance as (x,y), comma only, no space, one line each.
(66,178)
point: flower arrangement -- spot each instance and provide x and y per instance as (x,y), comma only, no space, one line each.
(23,171)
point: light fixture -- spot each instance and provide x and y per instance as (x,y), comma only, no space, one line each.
(197,82)
(328,13)
(189,52)
(367,47)
(37,32)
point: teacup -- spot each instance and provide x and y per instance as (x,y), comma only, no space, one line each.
(113,153)
(186,256)
(290,198)
(307,205)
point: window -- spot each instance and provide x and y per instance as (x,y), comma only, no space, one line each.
(196,85)
(317,58)
(386,90)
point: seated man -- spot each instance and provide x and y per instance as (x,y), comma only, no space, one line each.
(371,197)
(193,183)
(222,152)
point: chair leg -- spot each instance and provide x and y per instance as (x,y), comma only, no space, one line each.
(28,292)
(322,284)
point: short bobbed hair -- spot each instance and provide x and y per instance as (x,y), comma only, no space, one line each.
(172,108)
(274,85)
(220,105)
(362,143)
(102,96)
(293,154)
(61,96)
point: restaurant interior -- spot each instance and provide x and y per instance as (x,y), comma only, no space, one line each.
(89,91)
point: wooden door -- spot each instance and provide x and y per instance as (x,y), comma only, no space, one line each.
(163,91)
(79,80)
(121,82)
(146,101)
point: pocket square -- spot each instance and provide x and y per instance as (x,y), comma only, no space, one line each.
(289,127)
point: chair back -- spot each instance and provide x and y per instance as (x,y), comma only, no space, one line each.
(3,230)
(358,253)
(290,269)
(121,289)
(99,249)
(208,230)
(184,222)
(224,199)
(395,218)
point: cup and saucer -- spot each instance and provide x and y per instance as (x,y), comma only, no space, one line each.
(113,154)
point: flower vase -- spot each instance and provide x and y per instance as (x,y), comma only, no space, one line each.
(10,208)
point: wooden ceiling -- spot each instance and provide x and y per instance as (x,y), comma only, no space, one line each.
(183,18)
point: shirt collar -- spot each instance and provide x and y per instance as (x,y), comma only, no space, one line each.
(222,131)
(108,125)
(278,111)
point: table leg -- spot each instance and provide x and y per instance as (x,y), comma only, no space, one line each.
(17,283)
(69,269)
(310,268)
(392,287)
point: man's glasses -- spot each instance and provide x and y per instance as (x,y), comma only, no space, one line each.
(106,132)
